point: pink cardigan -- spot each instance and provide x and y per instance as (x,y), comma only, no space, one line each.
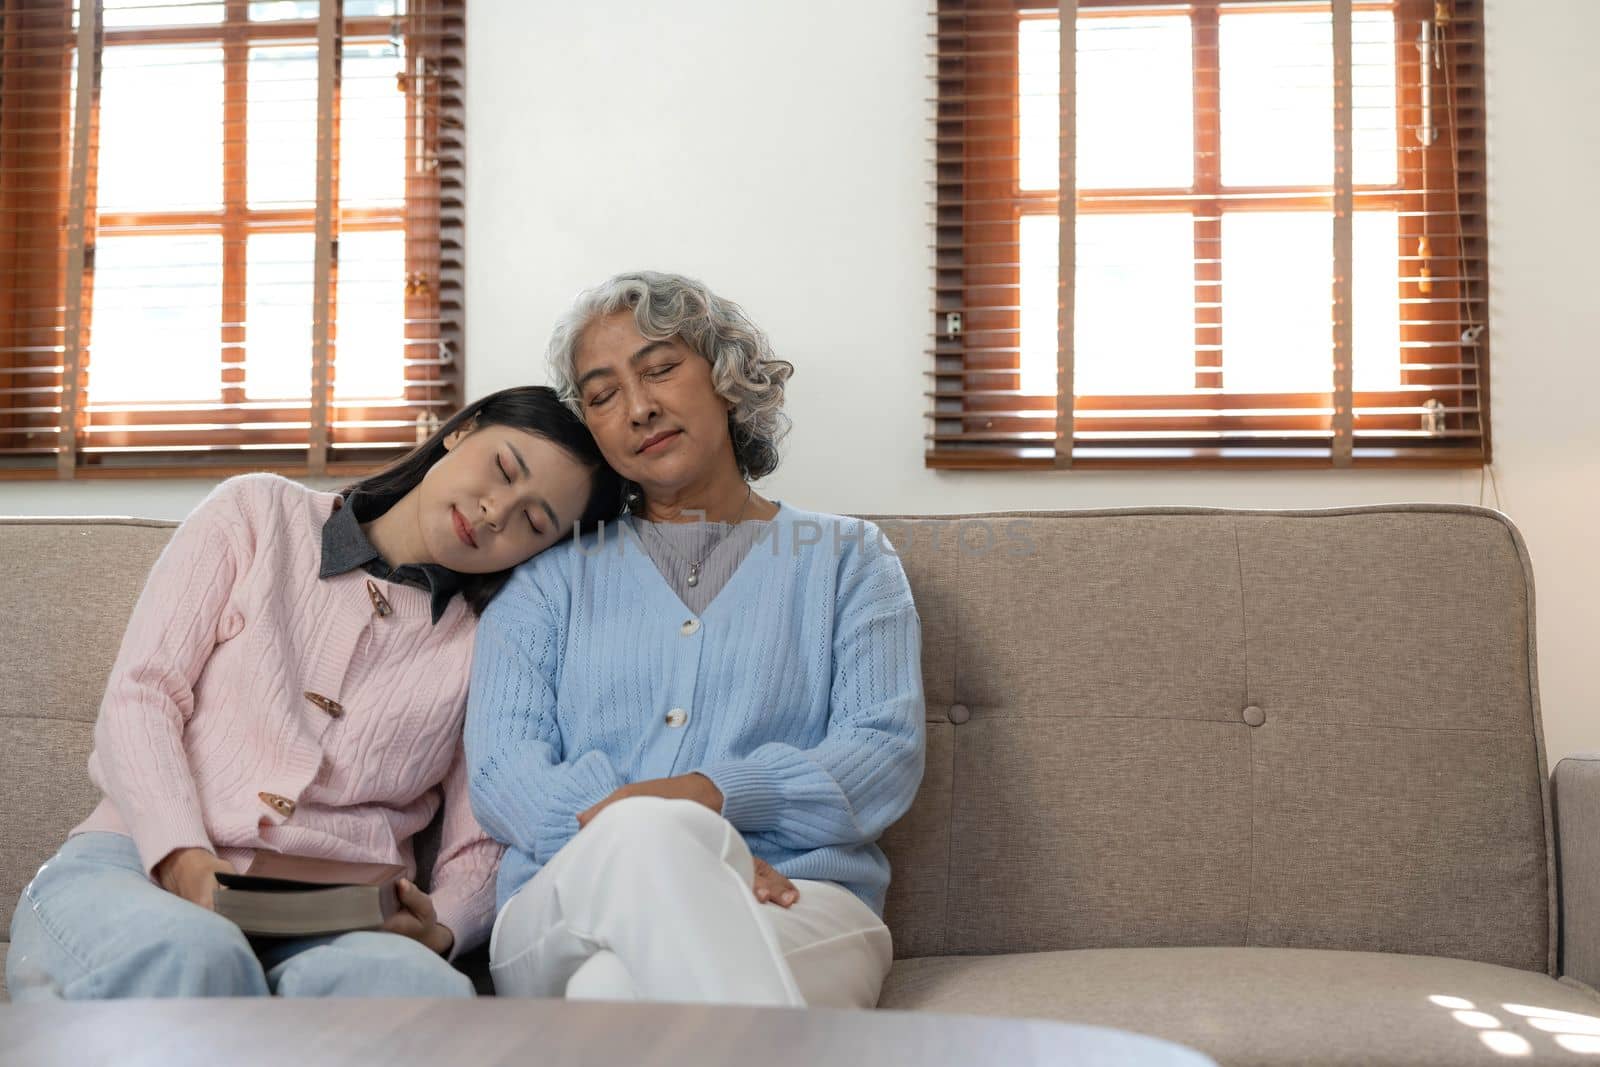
(254,705)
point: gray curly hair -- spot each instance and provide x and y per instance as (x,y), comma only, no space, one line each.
(744,370)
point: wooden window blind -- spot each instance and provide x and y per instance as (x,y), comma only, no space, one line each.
(230,234)
(1209,234)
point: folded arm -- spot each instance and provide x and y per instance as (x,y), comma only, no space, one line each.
(463,880)
(523,790)
(182,615)
(864,774)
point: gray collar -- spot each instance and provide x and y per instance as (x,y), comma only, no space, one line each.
(345,547)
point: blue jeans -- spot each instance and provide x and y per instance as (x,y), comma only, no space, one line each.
(92,926)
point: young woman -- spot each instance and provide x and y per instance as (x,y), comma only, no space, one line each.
(294,679)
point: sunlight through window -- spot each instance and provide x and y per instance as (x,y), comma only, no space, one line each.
(1575,1025)
(1277,98)
(371,317)
(282,148)
(1529,1011)
(1506,1043)
(1587,1044)
(142,88)
(372,126)
(1133,332)
(1134,74)
(1277,331)
(162,288)
(280,280)
(1459,1003)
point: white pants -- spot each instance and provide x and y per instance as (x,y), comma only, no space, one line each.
(653,901)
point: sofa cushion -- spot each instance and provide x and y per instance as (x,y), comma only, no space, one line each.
(1157,727)
(1399,785)
(70,585)
(1269,1006)
(44,792)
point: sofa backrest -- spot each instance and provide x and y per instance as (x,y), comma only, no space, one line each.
(67,587)
(1185,726)
(1145,727)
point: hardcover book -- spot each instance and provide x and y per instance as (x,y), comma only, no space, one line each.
(297,896)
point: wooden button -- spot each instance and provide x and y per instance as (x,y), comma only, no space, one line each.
(282,805)
(380,606)
(332,707)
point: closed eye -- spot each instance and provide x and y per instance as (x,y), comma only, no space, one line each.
(501,467)
(661,371)
(600,398)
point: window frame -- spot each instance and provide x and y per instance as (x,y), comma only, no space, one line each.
(1024,426)
(281,438)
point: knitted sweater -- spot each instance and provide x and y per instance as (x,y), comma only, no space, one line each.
(798,692)
(209,736)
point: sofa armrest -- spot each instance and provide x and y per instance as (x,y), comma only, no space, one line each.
(1575,800)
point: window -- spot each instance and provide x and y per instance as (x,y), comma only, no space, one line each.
(1272,250)
(238,245)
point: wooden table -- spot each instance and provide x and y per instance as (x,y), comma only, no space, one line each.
(545,1033)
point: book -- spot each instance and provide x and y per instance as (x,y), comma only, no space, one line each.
(297,896)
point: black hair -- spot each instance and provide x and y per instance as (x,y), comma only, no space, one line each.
(535,409)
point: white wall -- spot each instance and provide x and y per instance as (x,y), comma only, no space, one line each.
(777,151)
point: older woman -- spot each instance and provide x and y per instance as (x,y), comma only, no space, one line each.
(667,728)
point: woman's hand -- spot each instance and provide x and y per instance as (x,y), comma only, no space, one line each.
(769,886)
(417,920)
(191,873)
(772,887)
(696,787)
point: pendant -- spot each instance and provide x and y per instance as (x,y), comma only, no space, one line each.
(694,575)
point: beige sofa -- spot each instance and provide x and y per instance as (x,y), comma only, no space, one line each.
(1271,784)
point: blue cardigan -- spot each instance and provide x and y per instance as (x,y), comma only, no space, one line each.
(798,692)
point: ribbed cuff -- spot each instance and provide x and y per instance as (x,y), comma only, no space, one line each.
(752,796)
(467,918)
(158,835)
(580,785)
